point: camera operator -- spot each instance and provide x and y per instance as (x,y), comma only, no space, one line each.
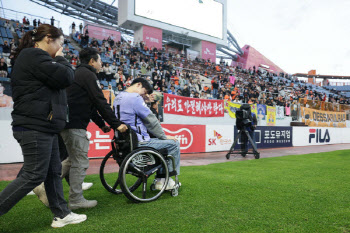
(250,127)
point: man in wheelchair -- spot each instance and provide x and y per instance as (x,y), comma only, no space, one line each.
(131,108)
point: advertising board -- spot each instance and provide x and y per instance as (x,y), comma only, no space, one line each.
(218,137)
(307,136)
(271,137)
(191,137)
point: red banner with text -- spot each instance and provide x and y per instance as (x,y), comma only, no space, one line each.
(191,138)
(180,105)
(100,142)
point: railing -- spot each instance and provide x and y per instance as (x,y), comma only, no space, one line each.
(9,14)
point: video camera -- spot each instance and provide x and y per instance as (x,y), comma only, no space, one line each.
(243,116)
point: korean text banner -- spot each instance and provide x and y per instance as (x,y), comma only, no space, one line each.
(319,118)
(180,105)
(270,137)
(232,108)
(271,116)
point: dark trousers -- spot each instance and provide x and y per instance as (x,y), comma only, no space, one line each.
(244,140)
(41,164)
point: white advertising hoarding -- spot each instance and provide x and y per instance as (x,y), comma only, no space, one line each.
(218,137)
(10,150)
(307,136)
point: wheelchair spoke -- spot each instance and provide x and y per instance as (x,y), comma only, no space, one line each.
(144,188)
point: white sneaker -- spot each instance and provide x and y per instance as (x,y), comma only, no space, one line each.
(71,218)
(30,193)
(86,186)
(160,183)
(84,204)
(41,193)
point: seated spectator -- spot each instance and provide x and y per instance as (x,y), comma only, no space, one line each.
(119,89)
(114,68)
(3,68)
(172,90)
(108,73)
(6,49)
(186,91)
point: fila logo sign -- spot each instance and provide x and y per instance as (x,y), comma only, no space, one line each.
(321,136)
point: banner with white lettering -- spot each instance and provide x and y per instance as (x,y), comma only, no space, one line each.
(271,137)
(180,105)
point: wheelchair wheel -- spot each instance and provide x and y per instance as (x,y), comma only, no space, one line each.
(142,164)
(109,175)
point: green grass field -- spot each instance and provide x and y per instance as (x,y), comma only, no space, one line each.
(300,193)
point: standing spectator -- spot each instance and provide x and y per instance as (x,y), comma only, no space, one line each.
(81,28)
(39,23)
(52,21)
(34,23)
(73,28)
(24,20)
(215,87)
(35,127)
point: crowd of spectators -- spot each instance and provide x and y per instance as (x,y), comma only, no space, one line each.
(173,73)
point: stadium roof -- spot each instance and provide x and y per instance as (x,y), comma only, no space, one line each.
(321,76)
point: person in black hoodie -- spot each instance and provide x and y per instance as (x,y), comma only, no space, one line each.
(39,78)
(85,98)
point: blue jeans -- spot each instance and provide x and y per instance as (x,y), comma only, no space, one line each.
(215,93)
(41,164)
(173,149)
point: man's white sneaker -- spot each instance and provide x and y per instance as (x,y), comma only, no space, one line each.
(83,204)
(86,186)
(41,193)
(71,218)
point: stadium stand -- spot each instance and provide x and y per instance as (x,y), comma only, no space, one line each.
(204,79)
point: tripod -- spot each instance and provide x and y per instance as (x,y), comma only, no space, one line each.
(255,150)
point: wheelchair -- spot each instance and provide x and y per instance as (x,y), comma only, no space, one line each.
(128,169)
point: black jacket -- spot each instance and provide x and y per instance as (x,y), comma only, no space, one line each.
(38,89)
(84,98)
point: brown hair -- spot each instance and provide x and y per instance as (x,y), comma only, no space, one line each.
(31,37)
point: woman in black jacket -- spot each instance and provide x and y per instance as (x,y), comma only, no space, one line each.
(39,78)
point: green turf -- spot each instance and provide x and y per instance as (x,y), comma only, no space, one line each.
(300,193)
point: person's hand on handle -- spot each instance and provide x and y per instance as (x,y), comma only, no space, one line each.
(122,128)
(171,138)
(106,129)
(59,52)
